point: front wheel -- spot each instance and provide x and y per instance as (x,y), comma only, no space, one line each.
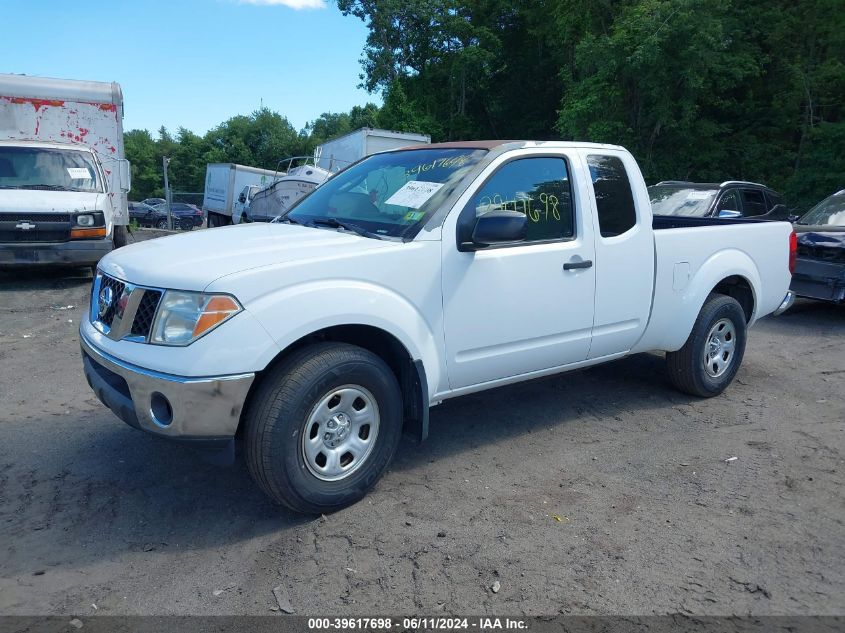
(323,426)
(709,360)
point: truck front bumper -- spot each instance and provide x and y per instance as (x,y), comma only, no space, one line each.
(73,253)
(205,411)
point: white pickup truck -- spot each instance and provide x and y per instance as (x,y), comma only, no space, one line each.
(414,276)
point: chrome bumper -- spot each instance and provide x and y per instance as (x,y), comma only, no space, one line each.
(787,302)
(204,409)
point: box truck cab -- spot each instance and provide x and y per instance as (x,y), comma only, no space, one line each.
(63,178)
(242,203)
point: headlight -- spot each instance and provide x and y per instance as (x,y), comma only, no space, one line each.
(183,317)
(88,225)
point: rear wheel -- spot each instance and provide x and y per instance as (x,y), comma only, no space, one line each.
(217,219)
(709,360)
(161,224)
(323,427)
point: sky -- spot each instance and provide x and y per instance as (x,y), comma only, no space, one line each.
(194,63)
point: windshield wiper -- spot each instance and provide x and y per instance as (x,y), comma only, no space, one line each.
(42,186)
(343,224)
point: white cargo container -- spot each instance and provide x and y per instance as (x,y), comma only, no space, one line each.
(341,152)
(229,187)
(63,177)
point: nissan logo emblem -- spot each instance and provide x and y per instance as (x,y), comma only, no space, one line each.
(105,300)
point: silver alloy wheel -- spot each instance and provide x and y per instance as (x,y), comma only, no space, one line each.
(340,432)
(719,348)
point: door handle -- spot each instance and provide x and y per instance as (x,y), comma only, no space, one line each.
(587,263)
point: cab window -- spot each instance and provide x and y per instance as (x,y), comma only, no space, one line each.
(614,198)
(538,187)
(753,202)
(729,202)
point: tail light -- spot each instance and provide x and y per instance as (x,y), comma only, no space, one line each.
(793,251)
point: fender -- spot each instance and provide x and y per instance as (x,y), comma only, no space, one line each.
(674,311)
(299,310)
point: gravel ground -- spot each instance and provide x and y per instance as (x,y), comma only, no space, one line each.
(601,491)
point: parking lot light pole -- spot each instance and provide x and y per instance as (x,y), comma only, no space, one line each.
(165,161)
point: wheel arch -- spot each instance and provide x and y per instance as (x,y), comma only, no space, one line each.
(410,372)
(738,287)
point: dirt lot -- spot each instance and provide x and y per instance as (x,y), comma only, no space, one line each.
(601,491)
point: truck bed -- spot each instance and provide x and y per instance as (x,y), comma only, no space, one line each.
(698,253)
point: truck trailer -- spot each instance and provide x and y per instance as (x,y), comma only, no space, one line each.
(230,187)
(341,152)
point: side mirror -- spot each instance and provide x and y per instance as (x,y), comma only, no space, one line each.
(729,214)
(124,172)
(242,198)
(497,228)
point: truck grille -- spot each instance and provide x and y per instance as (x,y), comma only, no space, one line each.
(34,227)
(143,321)
(123,311)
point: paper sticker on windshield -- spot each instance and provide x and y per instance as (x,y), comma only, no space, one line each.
(79,173)
(414,216)
(699,195)
(414,194)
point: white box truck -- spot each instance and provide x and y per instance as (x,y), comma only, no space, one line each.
(341,152)
(63,177)
(229,187)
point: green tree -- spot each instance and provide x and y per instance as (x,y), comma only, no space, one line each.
(696,89)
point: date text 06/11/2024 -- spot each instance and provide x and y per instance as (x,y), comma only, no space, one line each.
(416,623)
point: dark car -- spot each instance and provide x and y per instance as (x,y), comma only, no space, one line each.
(188,215)
(820,266)
(145,215)
(730,199)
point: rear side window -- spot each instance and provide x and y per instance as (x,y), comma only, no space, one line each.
(753,202)
(614,198)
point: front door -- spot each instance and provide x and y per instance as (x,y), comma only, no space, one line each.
(516,309)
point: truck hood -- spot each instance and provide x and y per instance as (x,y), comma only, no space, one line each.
(35,201)
(191,261)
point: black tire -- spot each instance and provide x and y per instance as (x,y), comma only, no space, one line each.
(161,224)
(282,405)
(216,219)
(688,371)
(186,224)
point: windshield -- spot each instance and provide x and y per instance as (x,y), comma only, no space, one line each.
(41,168)
(390,194)
(828,212)
(680,200)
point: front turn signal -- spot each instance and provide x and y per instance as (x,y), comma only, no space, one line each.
(87,233)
